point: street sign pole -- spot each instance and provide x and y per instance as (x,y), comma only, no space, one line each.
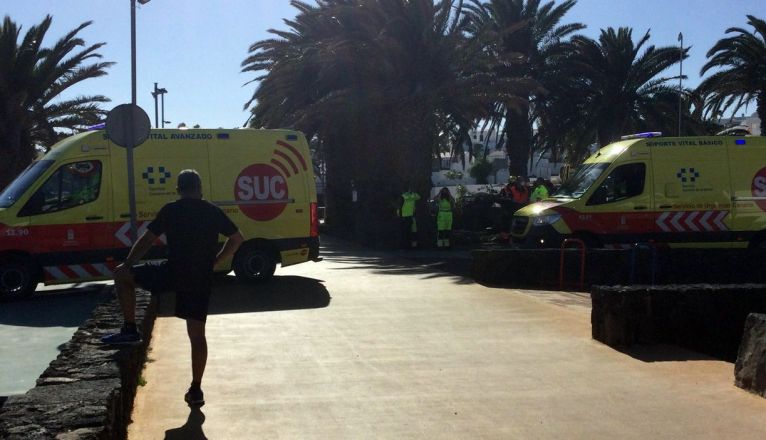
(131,121)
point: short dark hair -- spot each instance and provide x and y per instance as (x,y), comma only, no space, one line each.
(189,180)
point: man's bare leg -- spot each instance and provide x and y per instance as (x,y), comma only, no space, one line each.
(196,331)
(126,293)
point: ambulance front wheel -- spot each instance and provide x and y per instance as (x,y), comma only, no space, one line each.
(254,264)
(17,280)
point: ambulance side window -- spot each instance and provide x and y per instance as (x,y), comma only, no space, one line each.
(71,185)
(622,183)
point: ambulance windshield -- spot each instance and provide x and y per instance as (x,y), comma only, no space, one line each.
(585,175)
(21,184)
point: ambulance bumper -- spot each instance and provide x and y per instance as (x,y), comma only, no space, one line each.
(314,249)
(539,237)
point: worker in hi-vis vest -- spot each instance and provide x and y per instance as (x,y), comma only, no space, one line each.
(445,204)
(407,217)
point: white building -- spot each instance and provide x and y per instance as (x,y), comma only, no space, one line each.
(450,171)
(752,123)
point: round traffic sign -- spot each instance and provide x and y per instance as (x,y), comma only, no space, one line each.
(128,125)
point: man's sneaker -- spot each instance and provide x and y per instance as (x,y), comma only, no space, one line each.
(195,397)
(124,337)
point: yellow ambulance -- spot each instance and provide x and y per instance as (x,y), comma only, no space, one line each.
(66,218)
(678,191)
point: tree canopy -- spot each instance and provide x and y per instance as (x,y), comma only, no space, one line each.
(32,79)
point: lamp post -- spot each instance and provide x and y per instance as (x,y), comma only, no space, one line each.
(159,92)
(163,108)
(680,80)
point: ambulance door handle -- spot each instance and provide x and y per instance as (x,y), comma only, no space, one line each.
(94,217)
(124,215)
(639,207)
(666,206)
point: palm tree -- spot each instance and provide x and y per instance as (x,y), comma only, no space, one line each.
(378,82)
(32,79)
(619,86)
(743,78)
(525,36)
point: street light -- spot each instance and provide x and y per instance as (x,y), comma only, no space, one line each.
(162,98)
(159,92)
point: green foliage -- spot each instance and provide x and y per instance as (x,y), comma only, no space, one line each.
(480,170)
(454,174)
(742,78)
(525,36)
(32,79)
(380,83)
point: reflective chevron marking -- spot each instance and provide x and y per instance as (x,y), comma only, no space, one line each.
(74,272)
(692,221)
(123,236)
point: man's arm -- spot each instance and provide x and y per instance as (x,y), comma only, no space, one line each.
(229,247)
(139,249)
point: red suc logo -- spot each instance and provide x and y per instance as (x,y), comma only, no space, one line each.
(262,191)
(759,187)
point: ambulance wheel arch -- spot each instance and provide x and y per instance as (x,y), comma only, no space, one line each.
(255,261)
(19,275)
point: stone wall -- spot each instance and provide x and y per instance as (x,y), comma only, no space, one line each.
(539,268)
(88,391)
(705,318)
(750,369)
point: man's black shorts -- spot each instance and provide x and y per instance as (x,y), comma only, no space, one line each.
(156,278)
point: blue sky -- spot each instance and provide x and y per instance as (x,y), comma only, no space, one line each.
(194,48)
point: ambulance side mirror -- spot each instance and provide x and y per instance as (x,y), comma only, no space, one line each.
(672,190)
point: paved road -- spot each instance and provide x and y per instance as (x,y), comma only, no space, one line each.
(364,346)
(31,331)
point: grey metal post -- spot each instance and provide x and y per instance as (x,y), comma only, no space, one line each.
(154,94)
(163,110)
(680,80)
(131,177)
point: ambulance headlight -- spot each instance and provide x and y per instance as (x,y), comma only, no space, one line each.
(542,220)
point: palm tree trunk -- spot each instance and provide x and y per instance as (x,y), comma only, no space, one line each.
(761,110)
(518,141)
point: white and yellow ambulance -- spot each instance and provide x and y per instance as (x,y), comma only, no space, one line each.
(66,217)
(678,191)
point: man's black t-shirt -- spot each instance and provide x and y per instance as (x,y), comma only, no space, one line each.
(192,227)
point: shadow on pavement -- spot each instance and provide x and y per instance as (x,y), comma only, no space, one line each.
(191,430)
(430,264)
(280,293)
(67,307)
(664,353)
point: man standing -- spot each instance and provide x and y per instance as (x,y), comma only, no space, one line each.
(445,204)
(407,214)
(540,192)
(192,227)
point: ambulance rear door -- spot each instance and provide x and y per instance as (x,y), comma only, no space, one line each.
(260,180)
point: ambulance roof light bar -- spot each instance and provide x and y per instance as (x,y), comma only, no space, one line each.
(646,134)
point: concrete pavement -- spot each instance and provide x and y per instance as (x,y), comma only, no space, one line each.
(363,347)
(31,330)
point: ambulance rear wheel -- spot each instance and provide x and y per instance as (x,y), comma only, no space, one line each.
(254,264)
(17,280)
